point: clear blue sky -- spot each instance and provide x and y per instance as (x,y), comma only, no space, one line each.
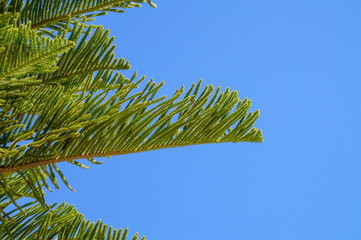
(299,62)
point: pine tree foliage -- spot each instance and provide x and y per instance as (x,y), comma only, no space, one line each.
(96,54)
(58,11)
(62,98)
(25,53)
(62,222)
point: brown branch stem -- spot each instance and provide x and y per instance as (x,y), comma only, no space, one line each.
(4,169)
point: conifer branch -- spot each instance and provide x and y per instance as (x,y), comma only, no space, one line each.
(76,13)
(59,221)
(43,161)
(91,112)
(89,55)
(42,13)
(26,53)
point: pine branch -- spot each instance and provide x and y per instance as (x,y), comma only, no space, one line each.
(145,124)
(26,53)
(62,222)
(42,161)
(55,106)
(44,12)
(94,52)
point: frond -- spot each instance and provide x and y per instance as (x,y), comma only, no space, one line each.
(43,13)
(61,222)
(16,186)
(26,54)
(4,26)
(89,125)
(61,99)
(11,6)
(94,52)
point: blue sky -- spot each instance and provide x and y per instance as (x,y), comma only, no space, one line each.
(299,62)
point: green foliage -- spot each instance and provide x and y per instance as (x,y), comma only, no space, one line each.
(25,55)
(62,98)
(63,222)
